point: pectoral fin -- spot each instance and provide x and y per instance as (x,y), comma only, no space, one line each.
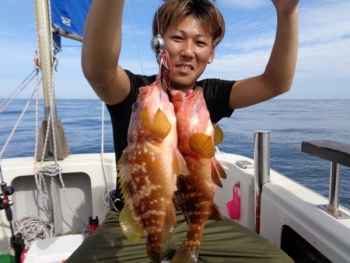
(170,222)
(215,213)
(202,144)
(217,172)
(179,164)
(218,134)
(160,127)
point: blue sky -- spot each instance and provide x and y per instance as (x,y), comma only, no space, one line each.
(323,67)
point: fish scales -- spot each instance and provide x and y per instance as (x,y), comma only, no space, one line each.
(196,191)
(148,168)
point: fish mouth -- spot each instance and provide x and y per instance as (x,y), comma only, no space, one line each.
(193,93)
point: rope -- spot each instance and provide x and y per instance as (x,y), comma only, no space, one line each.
(157,17)
(105,196)
(8,100)
(33,228)
(28,226)
(54,62)
(133,30)
(15,127)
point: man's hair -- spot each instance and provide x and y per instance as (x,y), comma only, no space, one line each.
(172,12)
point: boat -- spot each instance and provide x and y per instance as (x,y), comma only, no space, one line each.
(303,223)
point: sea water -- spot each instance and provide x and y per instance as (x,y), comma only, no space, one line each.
(289,121)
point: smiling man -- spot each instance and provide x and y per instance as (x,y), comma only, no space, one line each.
(191,30)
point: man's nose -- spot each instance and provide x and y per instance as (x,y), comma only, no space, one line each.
(188,49)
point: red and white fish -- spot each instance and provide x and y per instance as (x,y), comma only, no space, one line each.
(148,169)
(196,191)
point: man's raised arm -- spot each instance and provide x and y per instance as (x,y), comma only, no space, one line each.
(279,72)
(102,42)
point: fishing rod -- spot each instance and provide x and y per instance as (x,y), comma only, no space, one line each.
(17,241)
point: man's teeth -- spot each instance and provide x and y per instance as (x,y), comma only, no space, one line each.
(185,67)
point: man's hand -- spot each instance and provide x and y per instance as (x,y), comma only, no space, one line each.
(285,6)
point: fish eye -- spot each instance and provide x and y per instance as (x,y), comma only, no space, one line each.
(134,106)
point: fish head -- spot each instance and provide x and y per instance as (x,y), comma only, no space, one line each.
(151,114)
(192,116)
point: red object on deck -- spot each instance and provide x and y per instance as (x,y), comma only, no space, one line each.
(23,255)
(93,224)
(234,206)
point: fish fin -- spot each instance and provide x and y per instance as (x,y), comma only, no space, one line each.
(202,145)
(215,213)
(176,201)
(186,253)
(160,127)
(123,176)
(179,164)
(218,134)
(121,161)
(170,222)
(217,172)
(130,223)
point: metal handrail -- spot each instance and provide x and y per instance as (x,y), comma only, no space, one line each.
(338,154)
(261,169)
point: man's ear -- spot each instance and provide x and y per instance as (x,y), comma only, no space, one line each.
(212,55)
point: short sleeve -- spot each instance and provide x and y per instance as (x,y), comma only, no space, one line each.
(217,97)
(120,113)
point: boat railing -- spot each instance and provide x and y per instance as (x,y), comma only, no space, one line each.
(261,169)
(338,154)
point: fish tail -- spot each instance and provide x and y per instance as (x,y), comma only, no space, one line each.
(154,250)
(187,253)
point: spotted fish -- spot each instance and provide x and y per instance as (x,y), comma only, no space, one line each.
(148,169)
(196,191)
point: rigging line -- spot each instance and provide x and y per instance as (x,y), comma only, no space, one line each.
(66,197)
(104,197)
(157,17)
(133,30)
(7,101)
(15,127)
(36,121)
(17,87)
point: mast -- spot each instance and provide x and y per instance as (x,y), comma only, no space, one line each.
(46,58)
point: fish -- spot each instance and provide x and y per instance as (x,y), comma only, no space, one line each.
(148,168)
(197,140)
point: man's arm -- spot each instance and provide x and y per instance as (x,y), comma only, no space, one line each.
(279,72)
(101,48)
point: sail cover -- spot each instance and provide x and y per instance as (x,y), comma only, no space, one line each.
(69,15)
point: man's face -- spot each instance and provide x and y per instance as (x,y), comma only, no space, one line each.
(190,49)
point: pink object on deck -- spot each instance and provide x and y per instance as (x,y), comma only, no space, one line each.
(234,206)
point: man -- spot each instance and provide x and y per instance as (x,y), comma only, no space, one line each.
(191,30)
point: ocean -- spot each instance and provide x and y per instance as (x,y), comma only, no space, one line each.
(289,121)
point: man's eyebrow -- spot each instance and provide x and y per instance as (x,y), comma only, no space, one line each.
(197,35)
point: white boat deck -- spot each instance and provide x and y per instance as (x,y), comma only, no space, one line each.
(284,202)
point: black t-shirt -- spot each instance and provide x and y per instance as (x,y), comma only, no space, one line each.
(216,94)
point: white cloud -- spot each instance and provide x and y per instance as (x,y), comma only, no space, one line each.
(327,21)
(244,4)
(323,60)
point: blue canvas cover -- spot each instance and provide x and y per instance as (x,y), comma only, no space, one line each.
(69,15)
